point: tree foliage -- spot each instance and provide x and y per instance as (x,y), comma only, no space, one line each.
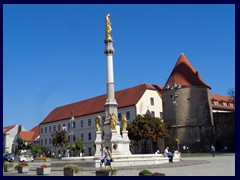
(59,139)
(21,144)
(77,147)
(146,129)
(37,149)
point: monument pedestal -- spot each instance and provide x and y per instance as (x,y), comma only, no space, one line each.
(98,143)
(120,144)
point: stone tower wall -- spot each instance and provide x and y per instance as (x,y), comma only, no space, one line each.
(193,115)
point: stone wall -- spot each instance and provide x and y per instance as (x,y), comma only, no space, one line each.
(193,116)
(225,130)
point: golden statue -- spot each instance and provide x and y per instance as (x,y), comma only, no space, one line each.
(108,28)
(113,121)
(98,123)
(124,123)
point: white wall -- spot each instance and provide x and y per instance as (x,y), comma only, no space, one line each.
(144,104)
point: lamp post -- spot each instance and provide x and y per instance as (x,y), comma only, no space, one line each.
(173,88)
(71,134)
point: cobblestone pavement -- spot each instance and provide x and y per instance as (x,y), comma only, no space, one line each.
(192,166)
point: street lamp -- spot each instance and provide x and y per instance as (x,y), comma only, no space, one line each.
(71,133)
(173,88)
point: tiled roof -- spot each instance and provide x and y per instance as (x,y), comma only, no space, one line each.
(30,136)
(221,99)
(185,74)
(7,128)
(27,135)
(124,98)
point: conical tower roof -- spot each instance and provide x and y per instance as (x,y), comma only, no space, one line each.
(185,74)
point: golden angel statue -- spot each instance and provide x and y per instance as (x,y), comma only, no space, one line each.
(124,123)
(98,123)
(113,121)
(108,28)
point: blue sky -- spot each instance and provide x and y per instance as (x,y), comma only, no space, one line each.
(53,54)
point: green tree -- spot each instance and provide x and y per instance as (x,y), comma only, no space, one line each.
(59,139)
(147,129)
(37,149)
(77,147)
(21,144)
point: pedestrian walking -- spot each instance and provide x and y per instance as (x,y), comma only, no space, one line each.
(212,150)
(103,156)
(109,158)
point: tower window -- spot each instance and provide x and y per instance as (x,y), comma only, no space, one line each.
(89,136)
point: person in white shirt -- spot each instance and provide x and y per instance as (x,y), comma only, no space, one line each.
(168,154)
(103,156)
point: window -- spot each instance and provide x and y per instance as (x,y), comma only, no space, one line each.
(50,141)
(50,128)
(89,136)
(74,138)
(103,119)
(41,130)
(69,126)
(59,127)
(74,124)
(82,137)
(54,128)
(153,113)
(224,104)
(231,104)
(161,115)
(81,123)
(152,101)
(89,122)
(128,115)
(45,141)
(215,102)
(45,129)
(63,127)
(69,138)
(41,142)
(119,116)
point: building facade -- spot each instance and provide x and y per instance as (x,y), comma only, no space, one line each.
(133,101)
(9,134)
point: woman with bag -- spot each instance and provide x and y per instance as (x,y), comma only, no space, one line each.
(109,157)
